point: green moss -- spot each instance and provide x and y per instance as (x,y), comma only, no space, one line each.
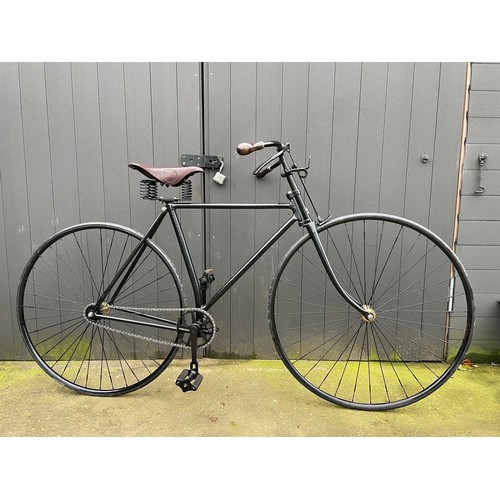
(395,357)
(15,372)
(230,355)
(63,351)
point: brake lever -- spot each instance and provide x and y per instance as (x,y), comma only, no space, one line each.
(261,172)
(262,168)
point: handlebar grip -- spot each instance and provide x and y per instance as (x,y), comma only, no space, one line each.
(245,148)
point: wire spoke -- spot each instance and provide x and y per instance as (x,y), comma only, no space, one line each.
(62,281)
(101,287)
(401,271)
(391,283)
(322,332)
(420,332)
(64,278)
(327,280)
(71,268)
(301,327)
(72,320)
(388,257)
(86,264)
(344,266)
(353,259)
(136,268)
(427,287)
(413,284)
(81,322)
(58,283)
(120,298)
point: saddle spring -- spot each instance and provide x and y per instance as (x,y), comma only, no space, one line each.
(148,189)
(187,190)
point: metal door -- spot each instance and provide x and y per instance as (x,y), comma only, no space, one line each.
(384,137)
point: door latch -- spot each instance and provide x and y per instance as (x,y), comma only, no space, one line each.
(212,162)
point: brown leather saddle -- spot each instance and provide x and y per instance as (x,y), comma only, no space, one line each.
(168,176)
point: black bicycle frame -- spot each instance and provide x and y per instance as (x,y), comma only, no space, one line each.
(300,215)
(172,209)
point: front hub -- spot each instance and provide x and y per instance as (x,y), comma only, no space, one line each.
(369,316)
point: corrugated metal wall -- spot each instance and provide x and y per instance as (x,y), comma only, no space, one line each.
(69,130)
(479,229)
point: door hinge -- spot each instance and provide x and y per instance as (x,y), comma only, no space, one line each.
(212,162)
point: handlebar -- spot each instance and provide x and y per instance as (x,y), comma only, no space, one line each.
(246,148)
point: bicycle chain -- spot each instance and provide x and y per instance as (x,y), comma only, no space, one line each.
(155,309)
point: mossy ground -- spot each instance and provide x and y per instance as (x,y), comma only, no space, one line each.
(239,398)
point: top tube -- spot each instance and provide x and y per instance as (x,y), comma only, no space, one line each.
(226,206)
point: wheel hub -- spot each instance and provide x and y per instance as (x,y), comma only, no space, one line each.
(91,310)
(370,315)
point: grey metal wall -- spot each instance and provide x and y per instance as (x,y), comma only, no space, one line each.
(479,229)
(366,127)
(69,130)
(67,133)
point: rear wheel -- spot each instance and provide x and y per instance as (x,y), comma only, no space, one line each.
(419,296)
(65,277)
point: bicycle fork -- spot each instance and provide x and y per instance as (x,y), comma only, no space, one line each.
(367,313)
(365,310)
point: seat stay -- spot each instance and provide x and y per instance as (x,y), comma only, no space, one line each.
(130,262)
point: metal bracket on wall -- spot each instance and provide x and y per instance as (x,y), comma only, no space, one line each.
(212,162)
(482,160)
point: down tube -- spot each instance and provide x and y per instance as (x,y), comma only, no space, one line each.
(227,286)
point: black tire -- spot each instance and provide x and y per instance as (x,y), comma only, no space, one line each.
(418,290)
(67,274)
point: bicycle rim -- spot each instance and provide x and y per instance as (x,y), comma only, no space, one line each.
(66,275)
(423,313)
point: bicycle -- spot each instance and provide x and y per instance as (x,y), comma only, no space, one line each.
(370,311)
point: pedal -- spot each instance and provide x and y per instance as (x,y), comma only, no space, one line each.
(189,380)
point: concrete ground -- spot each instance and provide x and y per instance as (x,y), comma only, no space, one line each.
(238,398)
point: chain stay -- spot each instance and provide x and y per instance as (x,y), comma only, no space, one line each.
(155,309)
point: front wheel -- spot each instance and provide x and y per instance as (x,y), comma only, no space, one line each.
(412,282)
(65,277)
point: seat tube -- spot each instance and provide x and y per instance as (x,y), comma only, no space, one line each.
(186,254)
